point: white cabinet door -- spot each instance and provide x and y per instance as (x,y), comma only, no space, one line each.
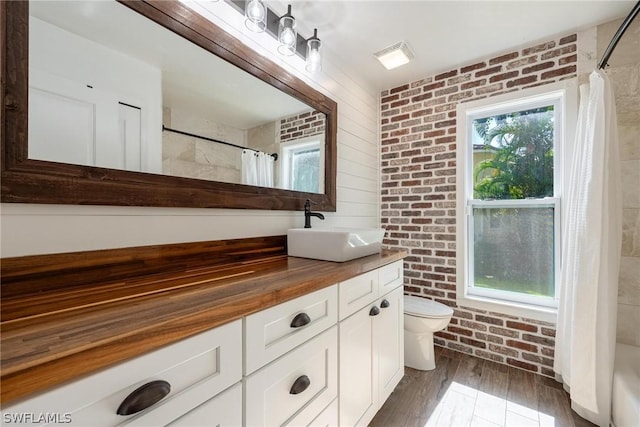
(224,410)
(358,392)
(388,336)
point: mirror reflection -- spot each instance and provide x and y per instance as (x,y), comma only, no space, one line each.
(109,88)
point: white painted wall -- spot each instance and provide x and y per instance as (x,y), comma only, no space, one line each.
(68,60)
(38,229)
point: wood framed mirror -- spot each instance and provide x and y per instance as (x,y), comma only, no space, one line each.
(28,180)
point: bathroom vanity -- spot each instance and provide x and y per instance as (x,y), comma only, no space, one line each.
(229,333)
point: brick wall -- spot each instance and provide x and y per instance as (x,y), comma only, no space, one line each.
(418,193)
(302,126)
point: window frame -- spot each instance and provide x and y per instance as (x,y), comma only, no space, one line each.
(289,147)
(563,96)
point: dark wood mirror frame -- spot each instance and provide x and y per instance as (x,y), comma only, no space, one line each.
(35,181)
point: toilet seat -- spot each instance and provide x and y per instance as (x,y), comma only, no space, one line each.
(423,307)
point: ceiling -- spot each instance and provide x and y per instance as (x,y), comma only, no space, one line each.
(442,34)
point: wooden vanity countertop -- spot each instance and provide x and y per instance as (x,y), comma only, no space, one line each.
(54,334)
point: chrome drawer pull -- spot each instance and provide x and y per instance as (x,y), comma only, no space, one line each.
(374,311)
(144,397)
(385,303)
(300,385)
(300,320)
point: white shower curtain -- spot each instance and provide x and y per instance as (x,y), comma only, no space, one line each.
(586,330)
(257,168)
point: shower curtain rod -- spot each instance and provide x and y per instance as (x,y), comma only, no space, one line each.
(614,41)
(164,128)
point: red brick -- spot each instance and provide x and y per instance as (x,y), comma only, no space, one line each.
(399,89)
(522,81)
(472,342)
(422,97)
(537,359)
(503,350)
(490,356)
(446,335)
(522,326)
(538,67)
(568,39)
(503,76)
(460,331)
(558,52)
(390,98)
(473,67)
(490,320)
(432,86)
(445,123)
(568,59)
(548,332)
(446,75)
(558,72)
(539,48)
(488,71)
(504,332)
(520,62)
(539,340)
(522,345)
(503,58)
(446,91)
(473,84)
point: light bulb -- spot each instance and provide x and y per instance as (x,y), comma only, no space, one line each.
(287,35)
(314,57)
(255,16)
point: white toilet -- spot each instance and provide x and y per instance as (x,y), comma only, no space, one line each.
(422,317)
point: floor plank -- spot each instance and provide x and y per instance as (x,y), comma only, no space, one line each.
(465,391)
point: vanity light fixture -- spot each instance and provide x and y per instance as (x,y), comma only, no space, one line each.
(394,56)
(255,14)
(287,35)
(313,58)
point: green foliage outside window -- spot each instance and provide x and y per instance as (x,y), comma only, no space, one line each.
(522,164)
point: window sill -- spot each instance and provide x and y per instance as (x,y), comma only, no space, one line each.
(526,311)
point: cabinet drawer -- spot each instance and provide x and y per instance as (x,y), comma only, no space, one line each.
(391,276)
(271,333)
(224,410)
(209,362)
(268,392)
(355,293)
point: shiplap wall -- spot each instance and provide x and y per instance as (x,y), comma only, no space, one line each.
(38,229)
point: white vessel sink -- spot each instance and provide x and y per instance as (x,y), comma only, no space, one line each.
(334,244)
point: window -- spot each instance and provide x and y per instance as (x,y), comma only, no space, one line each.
(303,166)
(510,160)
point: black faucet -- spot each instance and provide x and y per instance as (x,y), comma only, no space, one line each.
(308,214)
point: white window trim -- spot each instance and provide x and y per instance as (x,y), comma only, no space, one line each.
(511,102)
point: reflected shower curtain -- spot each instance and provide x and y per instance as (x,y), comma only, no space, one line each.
(586,330)
(257,168)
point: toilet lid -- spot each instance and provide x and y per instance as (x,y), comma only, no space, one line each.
(423,307)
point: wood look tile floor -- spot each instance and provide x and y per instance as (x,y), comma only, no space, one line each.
(464,391)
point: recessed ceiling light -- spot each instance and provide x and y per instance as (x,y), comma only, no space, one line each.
(394,56)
